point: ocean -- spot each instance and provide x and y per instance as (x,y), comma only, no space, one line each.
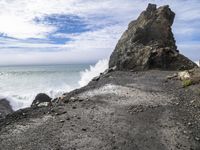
(20,84)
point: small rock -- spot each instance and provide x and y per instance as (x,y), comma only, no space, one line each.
(64,112)
(191,102)
(74,107)
(141,110)
(185,132)
(177,103)
(41,99)
(61,98)
(96,78)
(68,118)
(61,121)
(52,110)
(73,99)
(172,76)
(80,100)
(184,75)
(197,138)
(112,113)
(65,94)
(84,129)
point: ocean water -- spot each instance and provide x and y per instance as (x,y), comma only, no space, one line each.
(20,84)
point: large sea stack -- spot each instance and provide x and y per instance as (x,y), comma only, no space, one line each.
(148,43)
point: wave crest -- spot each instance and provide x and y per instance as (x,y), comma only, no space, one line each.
(93,71)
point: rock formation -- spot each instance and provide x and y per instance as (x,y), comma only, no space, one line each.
(5,108)
(41,99)
(148,43)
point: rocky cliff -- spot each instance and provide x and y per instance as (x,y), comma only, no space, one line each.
(148,43)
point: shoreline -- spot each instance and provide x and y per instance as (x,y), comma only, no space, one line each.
(117,104)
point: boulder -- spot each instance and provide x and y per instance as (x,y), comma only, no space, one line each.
(184,75)
(195,75)
(41,99)
(148,43)
(5,108)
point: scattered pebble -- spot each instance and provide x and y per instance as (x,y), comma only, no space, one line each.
(177,103)
(61,121)
(185,132)
(74,107)
(64,112)
(73,99)
(112,113)
(197,138)
(52,110)
(80,100)
(84,129)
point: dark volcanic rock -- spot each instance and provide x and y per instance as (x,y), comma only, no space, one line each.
(5,108)
(148,43)
(41,98)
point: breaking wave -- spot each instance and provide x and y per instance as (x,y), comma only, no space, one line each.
(24,99)
(93,71)
(20,85)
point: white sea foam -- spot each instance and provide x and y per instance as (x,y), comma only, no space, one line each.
(198,63)
(93,71)
(20,85)
(24,99)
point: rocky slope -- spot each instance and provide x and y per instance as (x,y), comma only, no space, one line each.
(148,43)
(124,110)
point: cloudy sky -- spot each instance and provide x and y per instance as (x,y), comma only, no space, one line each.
(82,31)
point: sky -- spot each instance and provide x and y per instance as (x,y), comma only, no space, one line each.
(82,31)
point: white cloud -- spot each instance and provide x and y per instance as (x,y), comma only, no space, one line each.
(17,17)
(17,27)
(86,47)
(17,21)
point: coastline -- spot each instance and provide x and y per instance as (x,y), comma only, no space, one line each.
(147,99)
(140,105)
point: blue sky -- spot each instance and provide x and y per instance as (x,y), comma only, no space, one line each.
(82,31)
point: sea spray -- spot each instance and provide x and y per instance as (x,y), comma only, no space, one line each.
(23,100)
(198,63)
(93,71)
(20,84)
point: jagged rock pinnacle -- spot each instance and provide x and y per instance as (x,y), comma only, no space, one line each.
(148,43)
